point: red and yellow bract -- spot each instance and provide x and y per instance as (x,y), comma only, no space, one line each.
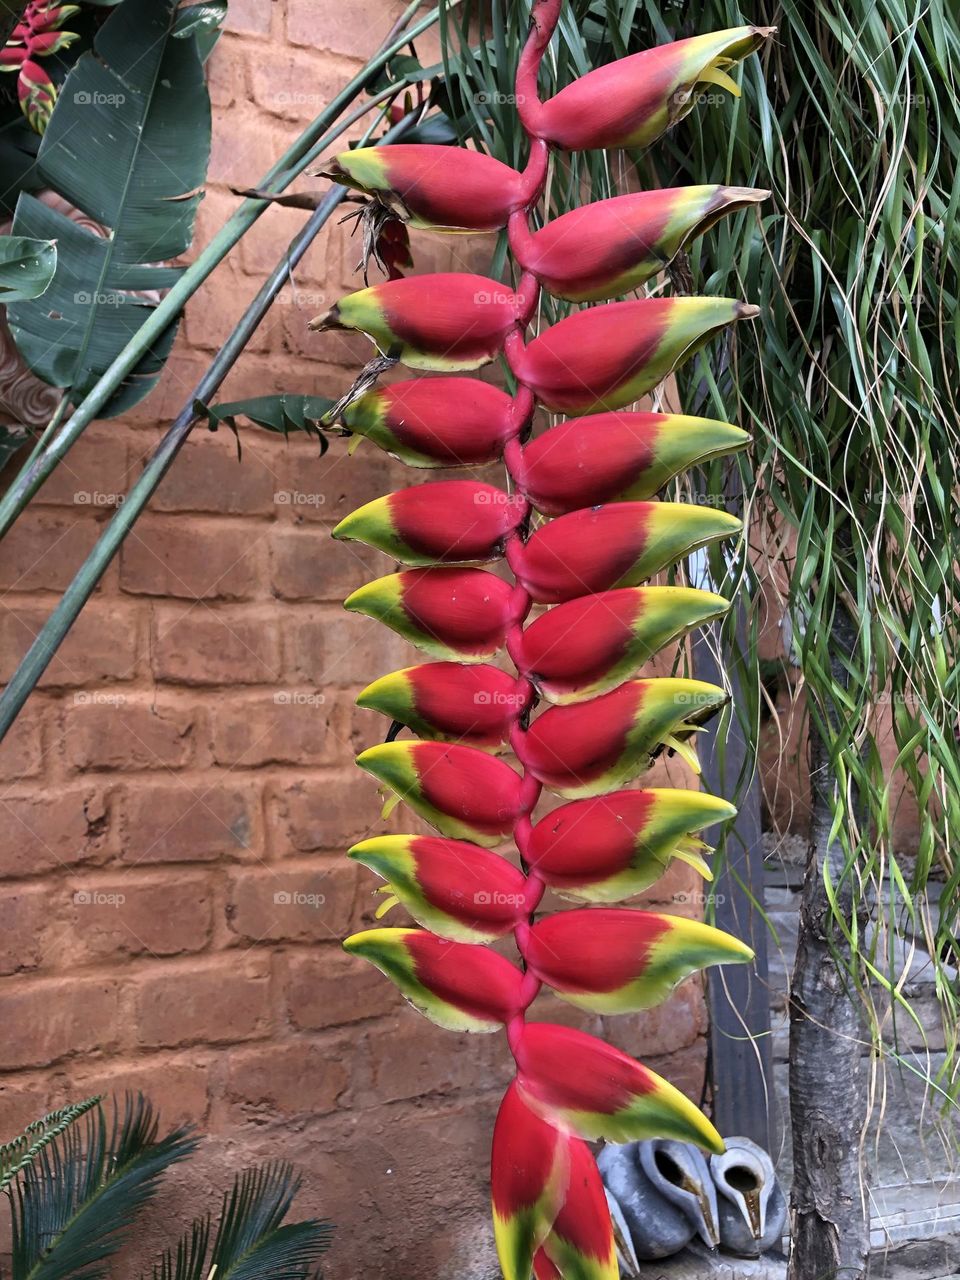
(596,478)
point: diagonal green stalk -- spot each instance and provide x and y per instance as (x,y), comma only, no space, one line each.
(38,657)
(303,151)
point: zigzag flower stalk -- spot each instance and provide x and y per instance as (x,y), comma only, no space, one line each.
(580,531)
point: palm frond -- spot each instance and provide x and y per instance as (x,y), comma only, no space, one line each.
(251,1242)
(72,1207)
(21,1151)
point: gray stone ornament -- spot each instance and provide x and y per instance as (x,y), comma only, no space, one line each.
(665,1194)
(752,1205)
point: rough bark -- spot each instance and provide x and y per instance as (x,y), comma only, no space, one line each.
(828,1098)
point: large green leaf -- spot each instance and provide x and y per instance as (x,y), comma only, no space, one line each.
(128,144)
(26,267)
(18,162)
(205,21)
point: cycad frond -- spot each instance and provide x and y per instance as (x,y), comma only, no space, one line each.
(251,1241)
(21,1151)
(72,1206)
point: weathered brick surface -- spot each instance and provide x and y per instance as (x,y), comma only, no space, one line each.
(220,1003)
(176,803)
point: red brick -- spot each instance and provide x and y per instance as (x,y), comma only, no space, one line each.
(295,85)
(112,916)
(192,560)
(23,1100)
(686,1069)
(242,154)
(102,645)
(315,904)
(326,989)
(249,17)
(193,821)
(217,308)
(21,751)
(227,73)
(177,1087)
(222,1002)
(48,829)
(306,564)
(208,475)
(347,350)
(113,730)
(331,811)
(198,646)
(355,30)
(286,1079)
(262,245)
(44,1021)
(409,1057)
(292,726)
(344,481)
(44,549)
(25,916)
(95,473)
(334,648)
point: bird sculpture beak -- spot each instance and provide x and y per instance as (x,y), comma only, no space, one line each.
(742,1178)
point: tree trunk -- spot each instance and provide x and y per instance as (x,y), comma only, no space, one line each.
(828,1098)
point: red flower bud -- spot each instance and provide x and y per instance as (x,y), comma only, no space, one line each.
(580,1243)
(444,321)
(596,746)
(529,1178)
(456,889)
(436,422)
(455,985)
(610,248)
(452,522)
(436,187)
(461,791)
(448,613)
(587,646)
(631,102)
(578,1081)
(476,704)
(618,545)
(608,848)
(584,462)
(607,357)
(614,960)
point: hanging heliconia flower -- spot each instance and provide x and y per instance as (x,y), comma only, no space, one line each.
(579,527)
(37,35)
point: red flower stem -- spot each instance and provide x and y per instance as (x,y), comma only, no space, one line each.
(544,18)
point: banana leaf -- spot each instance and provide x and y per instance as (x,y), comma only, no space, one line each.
(127,144)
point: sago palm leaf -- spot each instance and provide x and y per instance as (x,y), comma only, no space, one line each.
(20,1152)
(72,1206)
(251,1241)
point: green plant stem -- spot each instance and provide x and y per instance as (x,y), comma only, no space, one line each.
(38,656)
(290,164)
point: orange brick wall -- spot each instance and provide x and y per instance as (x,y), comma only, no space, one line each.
(179,793)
